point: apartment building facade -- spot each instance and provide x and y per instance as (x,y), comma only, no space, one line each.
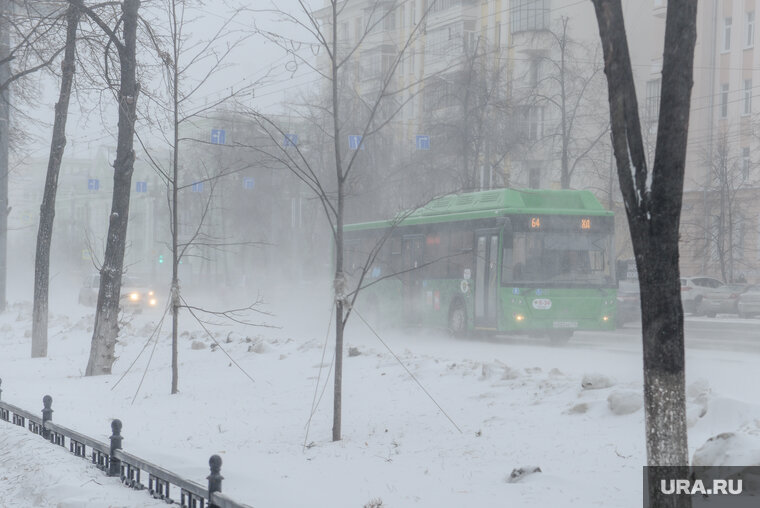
(720,226)
(486,93)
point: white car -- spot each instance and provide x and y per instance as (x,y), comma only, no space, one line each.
(134,293)
(693,290)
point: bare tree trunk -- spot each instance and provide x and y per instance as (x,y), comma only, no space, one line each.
(175,194)
(47,210)
(565,176)
(107,313)
(654,216)
(5,75)
(340,281)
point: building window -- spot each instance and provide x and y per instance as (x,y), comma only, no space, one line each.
(727,34)
(758,237)
(714,235)
(738,238)
(745,163)
(749,29)
(389,21)
(529,15)
(534,122)
(535,71)
(534,178)
(747,97)
(724,100)
(653,99)
(358,30)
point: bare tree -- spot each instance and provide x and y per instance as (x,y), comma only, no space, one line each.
(181,58)
(721,240)
(566,77)
(122,38)
(654,211)
(29,43)
(47,210)
(469,114)
(379,99)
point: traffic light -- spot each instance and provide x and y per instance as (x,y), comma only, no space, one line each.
(160,259)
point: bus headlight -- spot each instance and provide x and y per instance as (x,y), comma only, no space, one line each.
(605,318)
(519,318)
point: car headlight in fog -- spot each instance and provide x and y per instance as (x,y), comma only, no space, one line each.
(134,296)
(152,302)
(150,293)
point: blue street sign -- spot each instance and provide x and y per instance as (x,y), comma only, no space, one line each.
(197,187)
(249,183)
(422,142)
(290,140)
(141,186)
(93,184)
(355,143)
(218,136)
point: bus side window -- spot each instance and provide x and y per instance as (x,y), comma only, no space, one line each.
(460,245)
(435,253)
(507,274)
(396,259)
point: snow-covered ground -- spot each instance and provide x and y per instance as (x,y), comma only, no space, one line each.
(573,412)
(33,473)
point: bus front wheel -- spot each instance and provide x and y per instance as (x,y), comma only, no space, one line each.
(458,319)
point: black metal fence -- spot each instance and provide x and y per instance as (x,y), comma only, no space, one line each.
(114,461)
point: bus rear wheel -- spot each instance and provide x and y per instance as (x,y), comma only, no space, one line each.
(458,319)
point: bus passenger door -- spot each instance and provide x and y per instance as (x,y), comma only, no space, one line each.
(411,279)
(486,278)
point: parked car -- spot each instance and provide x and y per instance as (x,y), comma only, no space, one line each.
(748,304)
(721,300)
(628,302)
(135,294)
(693,290)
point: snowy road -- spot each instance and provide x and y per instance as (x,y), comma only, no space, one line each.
(519,402)
(718,334)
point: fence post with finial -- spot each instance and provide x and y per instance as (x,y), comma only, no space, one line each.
(214,479)
(114,464)
(47,414)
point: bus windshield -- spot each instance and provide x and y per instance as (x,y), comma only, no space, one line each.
(557,258)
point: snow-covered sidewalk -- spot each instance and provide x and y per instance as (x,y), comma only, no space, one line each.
(34,473)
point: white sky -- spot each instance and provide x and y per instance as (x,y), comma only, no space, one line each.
(256,59)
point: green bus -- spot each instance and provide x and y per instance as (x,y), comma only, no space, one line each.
(537,262)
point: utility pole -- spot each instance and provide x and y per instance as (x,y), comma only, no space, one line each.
(5,72)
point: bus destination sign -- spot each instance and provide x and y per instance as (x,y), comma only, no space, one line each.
(567,223)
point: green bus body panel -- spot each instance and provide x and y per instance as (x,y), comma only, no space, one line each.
(570,308)
(577,308)
(582,309)
(494,203)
